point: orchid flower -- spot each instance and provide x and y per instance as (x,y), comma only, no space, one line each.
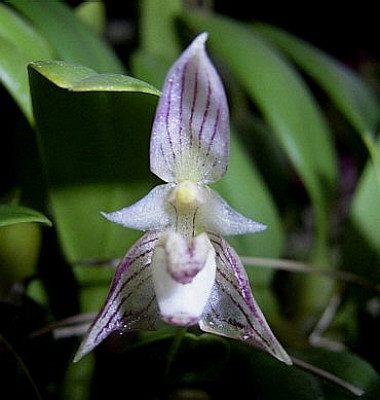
(182,271)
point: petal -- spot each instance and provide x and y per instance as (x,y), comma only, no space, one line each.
(150,213)
(232,311)
(131,303)
(183,276)
(190,136)
(184,261)
(215,214)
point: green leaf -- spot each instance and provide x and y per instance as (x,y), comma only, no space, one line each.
(350,93)
(95,144)
(93,14)
(247,193)
(13,75)
(78,78)
(12,214)
(149,67)
(348,367)
(70,38)
(156,53)
(361,243)
(21,33)
(20,241)
(285,102)
(156,18)
(365,205)
(20,44)
(77,381)
(266,378)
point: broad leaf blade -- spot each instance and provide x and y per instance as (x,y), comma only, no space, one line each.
(362,234)
(14,77)
(12,214)
(69,37)
(351,94)
(20,44)
(350,370)
(78,78)
(95,143)
(22,34)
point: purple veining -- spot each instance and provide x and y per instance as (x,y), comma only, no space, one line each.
(195,94)
(206,111)
(167,117)
(185,125)
(182,270)
(213,133)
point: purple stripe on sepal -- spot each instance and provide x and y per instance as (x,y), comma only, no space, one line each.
(131,303)
(190,135)
(232,310)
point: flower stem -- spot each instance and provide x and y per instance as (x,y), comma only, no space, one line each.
(178,338)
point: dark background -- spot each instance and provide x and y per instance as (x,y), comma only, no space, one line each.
(349,31)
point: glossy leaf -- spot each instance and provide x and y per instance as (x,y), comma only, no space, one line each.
(284,100)
(12,214)
(99,131)
(68,36)
(77,78)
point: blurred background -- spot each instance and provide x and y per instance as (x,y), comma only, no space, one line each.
(315,272)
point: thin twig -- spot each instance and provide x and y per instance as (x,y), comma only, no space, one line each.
(316,337)
(328,376)
(98,262)
(300,267)
(66,324)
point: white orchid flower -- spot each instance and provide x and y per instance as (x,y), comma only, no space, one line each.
(182,270)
